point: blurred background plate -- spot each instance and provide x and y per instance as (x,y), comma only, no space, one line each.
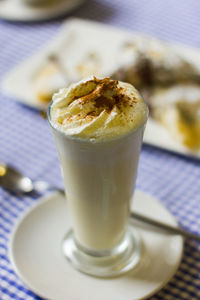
(18,83)
(19,10)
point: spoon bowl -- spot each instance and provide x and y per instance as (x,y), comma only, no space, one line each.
(13,180)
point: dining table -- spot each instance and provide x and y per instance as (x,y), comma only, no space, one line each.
(27,143)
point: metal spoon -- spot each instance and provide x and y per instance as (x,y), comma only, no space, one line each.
(11,179)
(14,181)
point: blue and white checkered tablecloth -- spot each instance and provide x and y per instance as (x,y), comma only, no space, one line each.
(26,140)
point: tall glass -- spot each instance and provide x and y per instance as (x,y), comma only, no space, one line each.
(99,180)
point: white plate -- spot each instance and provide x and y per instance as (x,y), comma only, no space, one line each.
(35,252)
(19,82)
(17,10)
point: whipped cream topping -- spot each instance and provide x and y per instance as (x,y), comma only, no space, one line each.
(98,109)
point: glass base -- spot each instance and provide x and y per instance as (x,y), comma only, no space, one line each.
(106,263)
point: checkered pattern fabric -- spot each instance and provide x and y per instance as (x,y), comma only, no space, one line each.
(27,143)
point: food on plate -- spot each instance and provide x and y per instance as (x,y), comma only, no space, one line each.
(47,79)
(178,109)
(158,63)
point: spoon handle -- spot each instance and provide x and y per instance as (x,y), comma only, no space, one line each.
(166,227)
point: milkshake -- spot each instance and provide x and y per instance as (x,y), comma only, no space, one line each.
(98,128)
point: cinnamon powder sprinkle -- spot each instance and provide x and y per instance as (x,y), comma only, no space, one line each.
(106,95)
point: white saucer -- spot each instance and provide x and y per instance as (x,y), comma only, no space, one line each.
(17,10)
(35,252)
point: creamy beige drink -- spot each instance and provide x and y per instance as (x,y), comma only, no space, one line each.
(98,127)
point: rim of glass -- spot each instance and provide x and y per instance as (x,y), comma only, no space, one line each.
(84,140)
